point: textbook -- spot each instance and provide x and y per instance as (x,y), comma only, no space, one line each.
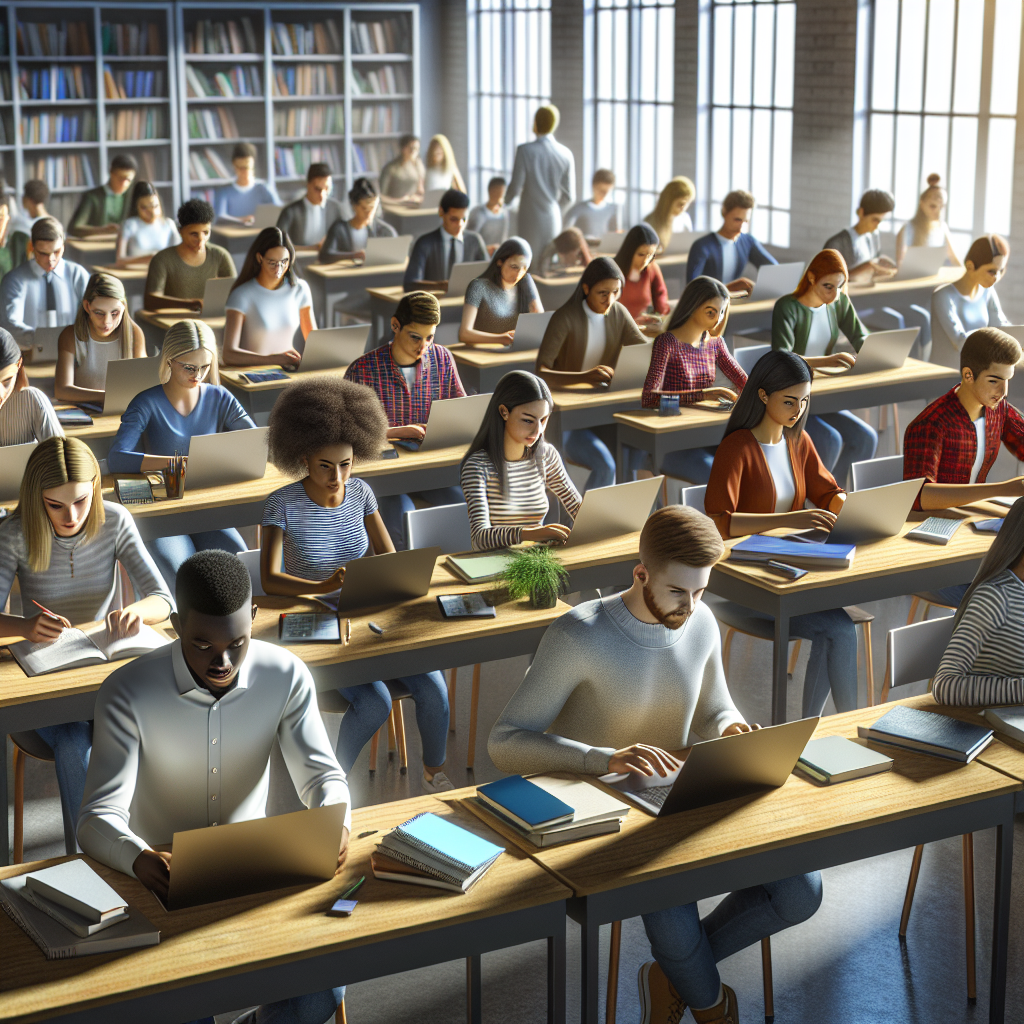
(74,648)
(1007,720)
(479,568)
(837,759)
(308,627)
(77,887)
(569,832)
(393,870)
(525,803)
(81,926)
(928,733)
(759,549)
(440,848)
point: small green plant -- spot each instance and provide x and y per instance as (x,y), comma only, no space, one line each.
(534,572)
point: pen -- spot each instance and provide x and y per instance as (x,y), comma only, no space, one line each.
(46,611)
(347,895)
(348,631)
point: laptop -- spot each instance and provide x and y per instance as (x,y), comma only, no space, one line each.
(873,513)
(266,216)
(334,347)
(215,296)
(885,350)
(454,421)
(245,857)
(530,328)
(230,457)
(631,368)
(127,378)
(720,769)
(432,199)
(611,241)
(462,274)
(921,261)
(774,281)
(379,580)
(13,460)
(381,251)
(44,344)
(681,242)
(609,512)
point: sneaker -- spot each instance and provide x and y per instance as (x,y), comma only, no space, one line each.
(726,1012)
(659,1001)
(440,783)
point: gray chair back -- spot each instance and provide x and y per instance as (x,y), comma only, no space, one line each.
(877,472)
(693,497)
(251,561)
(748,355)
(914,651)
(443,526)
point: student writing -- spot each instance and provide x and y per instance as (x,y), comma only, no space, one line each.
(672,203)
(309,218)
(495,299)
(101,209)
(237,203)
(346,239)
(724,253)
(861,244)
(643,287)
(599,214)
(145,230)
(565,252)
(435,253)
(26,414)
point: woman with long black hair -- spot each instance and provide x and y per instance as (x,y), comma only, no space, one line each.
(495,299)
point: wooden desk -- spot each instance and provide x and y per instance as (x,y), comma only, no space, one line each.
(133,278)
(410,220)
(258,399)
(382,308)
(482,366)
(556,289)
(98,434)
(236,238)
(95,249)
(276,945)
(347,281)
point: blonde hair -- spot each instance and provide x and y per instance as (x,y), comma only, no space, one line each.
(55,462)
(660,218)
(545,121)
(921,223)
(450,163)
(184,337)
(105,286)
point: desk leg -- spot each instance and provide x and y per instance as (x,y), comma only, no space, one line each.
(556,977)
(5,780)
(474,1009)
(590,955)
(780,668)
(1001,921)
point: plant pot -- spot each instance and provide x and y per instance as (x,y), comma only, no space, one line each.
(544,597)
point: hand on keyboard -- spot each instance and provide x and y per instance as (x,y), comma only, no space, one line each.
(641,759)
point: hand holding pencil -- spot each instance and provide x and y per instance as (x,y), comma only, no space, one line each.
(44,627)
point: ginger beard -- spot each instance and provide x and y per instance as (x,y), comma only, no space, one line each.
(674,619)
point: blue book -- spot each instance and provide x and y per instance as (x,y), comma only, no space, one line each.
(929,733)
(441,841)
(526,803)
(760,548)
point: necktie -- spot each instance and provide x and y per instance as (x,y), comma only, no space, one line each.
(451,261)
(51,295)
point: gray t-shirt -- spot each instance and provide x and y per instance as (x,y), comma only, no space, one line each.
(499,309)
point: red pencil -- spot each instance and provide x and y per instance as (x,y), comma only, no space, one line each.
(46,611)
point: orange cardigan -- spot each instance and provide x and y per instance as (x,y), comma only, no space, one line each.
(741,481)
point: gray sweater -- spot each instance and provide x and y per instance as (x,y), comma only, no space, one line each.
(602,680)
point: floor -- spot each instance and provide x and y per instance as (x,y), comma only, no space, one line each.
(844,966)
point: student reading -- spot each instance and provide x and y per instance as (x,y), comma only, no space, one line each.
(861,244)
(724,253)
(157,718)
(309,218)
(346,240)
(237,202)
(435,253)
(145,230)
(320,430)
(101,209)
(64,546)
(495,299)
(624,684)
(643,290)
(765,468)
(26,414)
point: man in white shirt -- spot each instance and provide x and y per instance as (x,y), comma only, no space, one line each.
(308,219)
(182,740)
(596,216)
(34,198)
(46,290)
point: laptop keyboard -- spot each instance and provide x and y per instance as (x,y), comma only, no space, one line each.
(657,795)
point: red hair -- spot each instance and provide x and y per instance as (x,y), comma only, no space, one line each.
(828,261)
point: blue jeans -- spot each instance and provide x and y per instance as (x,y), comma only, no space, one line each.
(371,705)
(842,439)
(170,552)
(71,744)
(953,595)
(314,1008)
(689,949)
(694,464)
(587,449)
(393,508)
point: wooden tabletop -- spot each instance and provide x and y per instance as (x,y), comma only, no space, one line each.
(394,293)
(485,356)
(236,231)
(136,272)
(233,375)
(94,243)
(354,268)
(256,932)
(166,320)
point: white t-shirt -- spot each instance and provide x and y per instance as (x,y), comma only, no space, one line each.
(316,223)
(271,316)
(781,469)
(865,247)
(597,327)
(730,259)
(359,237)
(142,238)
(979,458)
(409,373)
(820,335)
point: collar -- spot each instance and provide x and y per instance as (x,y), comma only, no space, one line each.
(111,193)
(315,206)
(446,235)
(596,317)
(187,686)
(396,369)
(58,271)
(722,240)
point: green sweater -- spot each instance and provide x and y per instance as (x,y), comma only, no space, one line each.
(791,324)
(98,207)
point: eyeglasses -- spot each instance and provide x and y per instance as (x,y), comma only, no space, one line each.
(277,264)
(192,370)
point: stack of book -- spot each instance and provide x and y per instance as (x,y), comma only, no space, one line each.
(837,759)
(759,549)
(1007,720)
(928,732)
(479,568)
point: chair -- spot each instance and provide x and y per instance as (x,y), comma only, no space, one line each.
(31,744)
(914,653)
(251,561)
(331,702)
(747,355)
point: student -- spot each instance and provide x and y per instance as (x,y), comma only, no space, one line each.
(808,323)
(267,305)
(927,228)
(435,253)
(65,546)
(861,245)
(684,362)
(320,428)
(101,209)
(102,331)
(146,230)
(177,275)
(970,303)
(442,170)
(624,684)
(564,253)
(45,291)
(643,285)
(237,203)
(491,220)
(723,254)
(495,299)
(543,181)
(402,177)
(308,219)
(347,239)
(408,374)
(581,346)
(675,197)
(765,468)
(161,422)
(34,198)
(509,468)
(598,215)
(26,414)
(984,661)
(149,775)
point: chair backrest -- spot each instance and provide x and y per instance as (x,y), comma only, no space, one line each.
(693,496)
(443,526)
(914,652)
(877,472)
(251,561)
(747,355)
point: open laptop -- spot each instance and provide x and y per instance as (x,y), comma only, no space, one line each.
(885,350)
(13,460)
(873,513)
(462,274)
(611,242)
(921,261)
(334,347)
(44,344)
(381,251)
(432,198)
(127,378)
(454,421)
(632,366)
(266,216)
(720,769)
(379,580)
(240,858)
(608,512)
(681,242)
(230,457)
(775,280)
(530,328)
(215,296)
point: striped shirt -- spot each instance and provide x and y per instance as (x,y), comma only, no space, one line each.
(984,662)
(319,540)
(676,366)
(28,416)
(497,519)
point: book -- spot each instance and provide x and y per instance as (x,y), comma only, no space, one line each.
(837,759)
(424,874)
(525,803)
(465,606)
(81,926)
(569,832)
(73,417)
(308,628)
(74,648)
(76,886)
(928,733)
(436,842)
(479,568)
(393,870)
(759,549)
(1008,720)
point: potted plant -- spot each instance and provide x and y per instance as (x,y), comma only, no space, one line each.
(534,572)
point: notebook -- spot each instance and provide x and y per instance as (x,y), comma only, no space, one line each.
(1009,721)
(393,870)
(437,842)
(76,886)
(527,804)
(760,549)
(465,606)
(928,733)
(479,568)
(837,759)
(308,628)
(74,648)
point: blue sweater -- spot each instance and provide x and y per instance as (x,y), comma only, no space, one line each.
(152,426)
(234,202)
(706,255)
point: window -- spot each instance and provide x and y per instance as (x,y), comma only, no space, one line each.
(746,111)
(629,78)
(942,99)
(510,76)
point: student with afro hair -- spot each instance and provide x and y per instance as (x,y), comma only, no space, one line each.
(319,429)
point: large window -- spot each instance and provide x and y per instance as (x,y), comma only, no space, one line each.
(747,111)
(629,90)
(510,76)
(941,97)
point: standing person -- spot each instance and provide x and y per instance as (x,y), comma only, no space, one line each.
(145,230)
(724,253)
(34,198)
(927,228)
(564,253)
(435,253)
(675,197)
(26,414)
(491,220)
(307,220)
(101,209)
(543,180)
(347,239)
(102,331)
(267,305)
(236,203)
(643,289)
(861,244)
(442,170)
(599,214)
(495,299)
(402,177)
(624,684)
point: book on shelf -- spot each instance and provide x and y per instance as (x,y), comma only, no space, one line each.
(322,38)
(383,81)
(207,164)
(372,156)
(5,87)
(66,39)
(74,171)
(305,80)
(74,648)
(294,161)
(388,36)
(377,117)
(212,123)
(42,128)
(235,82)
(222,37)
(928,732)
(294,122)
(56,83)
(140,124)
(132,85)
(129,40)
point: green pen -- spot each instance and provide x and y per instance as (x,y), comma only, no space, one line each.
(347,895)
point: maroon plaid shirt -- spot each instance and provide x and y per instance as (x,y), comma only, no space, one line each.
(676,366)
(436,378)
(941,443)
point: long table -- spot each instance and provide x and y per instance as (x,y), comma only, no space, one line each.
(383,302)
(348,280)
(259,398)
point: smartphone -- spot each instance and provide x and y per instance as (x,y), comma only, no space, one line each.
(389,453)
(790,572)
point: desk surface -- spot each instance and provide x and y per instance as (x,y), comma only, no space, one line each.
(166,320)
(485,356)
(394,293)
(350,268)
(233,375)
(136,272)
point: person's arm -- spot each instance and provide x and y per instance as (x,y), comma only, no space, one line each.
(380,539)
(696,260)
(996,316)
(156,297)
(125,455)
(335,247)
(759,255)
(518,179)
(567,186)
(714,711)
(121,250)
(946,319)
(14,289)
(1013,432)
(651,396)
(555,336)
(417,266)
(728,365)
(468,334)
(819,484)
(230,414)
(44,417)
(659,291)
(64,387)
(275,580)
(451,382)
(849,323)
(557,481)
(154,602)
(307,320)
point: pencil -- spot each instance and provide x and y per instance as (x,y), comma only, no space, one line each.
(348,892)
(348,631)
(46,611)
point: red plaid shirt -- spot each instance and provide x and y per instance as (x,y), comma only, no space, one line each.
(941,443)
(436,378)
(676,366)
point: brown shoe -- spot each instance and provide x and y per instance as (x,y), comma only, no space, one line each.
(726,1012)
(660,1003)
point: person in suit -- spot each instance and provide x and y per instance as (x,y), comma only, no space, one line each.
(543,180)
(346,240)
(101,209)
(307,220)
(724,253)
(435,253)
